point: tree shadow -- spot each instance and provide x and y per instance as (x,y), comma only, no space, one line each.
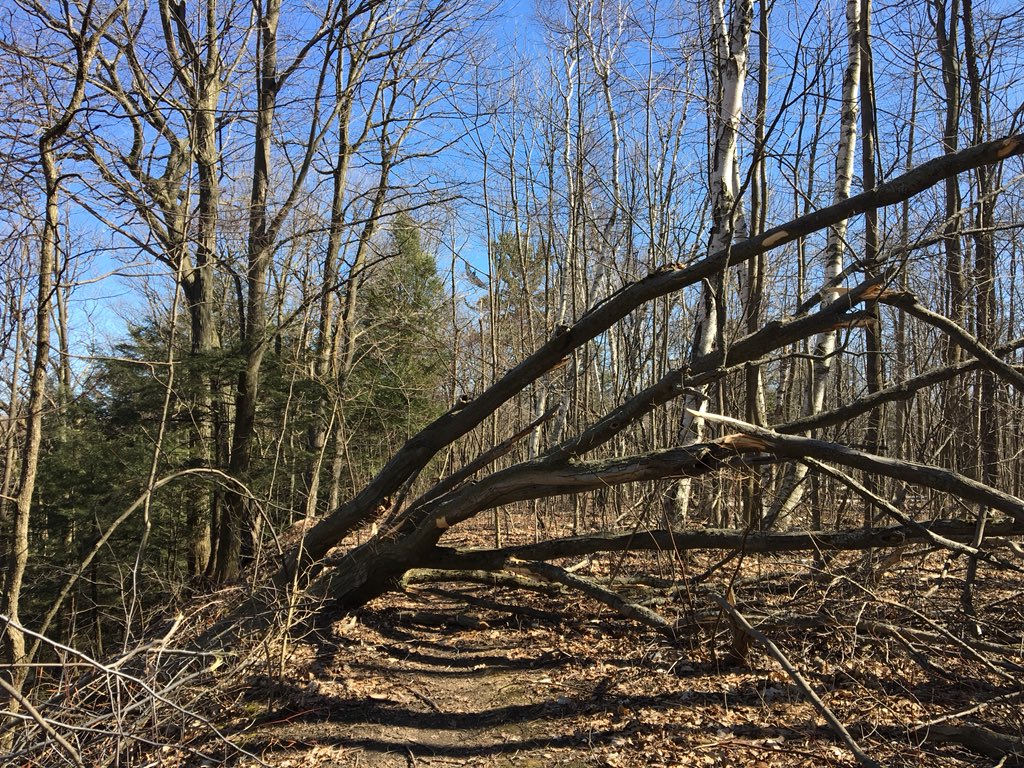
(342,723)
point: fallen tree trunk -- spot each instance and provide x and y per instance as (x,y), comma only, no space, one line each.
(749,542)
(413,534)
(375,567)
(1008,750)
(415,454)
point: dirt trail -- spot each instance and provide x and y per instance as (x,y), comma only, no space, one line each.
(422,679)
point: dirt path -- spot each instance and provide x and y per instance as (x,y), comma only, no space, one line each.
(420,679)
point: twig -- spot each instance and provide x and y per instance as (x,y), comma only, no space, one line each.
(35,714)
(801,683)
(111,671)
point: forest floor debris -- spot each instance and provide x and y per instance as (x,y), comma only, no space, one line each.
(469,675)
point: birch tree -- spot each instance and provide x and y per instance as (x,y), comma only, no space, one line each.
(825,345)
(730,39)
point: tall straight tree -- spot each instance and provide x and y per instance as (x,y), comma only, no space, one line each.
(85,34)
(984,236)
(264,226)
(873,360)
(731,39)
(166,85)
(791,489)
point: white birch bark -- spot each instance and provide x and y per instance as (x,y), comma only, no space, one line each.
(792,488)
(731,48)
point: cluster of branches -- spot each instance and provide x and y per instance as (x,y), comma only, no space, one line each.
(610,335)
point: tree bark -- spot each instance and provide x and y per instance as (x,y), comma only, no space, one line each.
(791,489)
(731,40)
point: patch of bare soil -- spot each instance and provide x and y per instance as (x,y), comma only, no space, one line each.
(465,675)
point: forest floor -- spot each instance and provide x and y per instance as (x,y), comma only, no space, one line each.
(469,675)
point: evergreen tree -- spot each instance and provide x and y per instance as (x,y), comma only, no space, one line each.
(402,353)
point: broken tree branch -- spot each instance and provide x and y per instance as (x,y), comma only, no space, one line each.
(736,539)
(610,598)
(890,509)
(909,304)
(800,681)
(936,478)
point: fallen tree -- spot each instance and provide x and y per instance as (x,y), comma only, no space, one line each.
(410,460)
(409,538)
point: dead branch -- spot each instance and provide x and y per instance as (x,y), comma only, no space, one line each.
(48,729)
(735,539)
(487,578)
(970,646)
(485,459)
(909,304)
(1004,698)
(890,509)
(800,681)
(901,391)
(936,478)
(980,740)
(612,599)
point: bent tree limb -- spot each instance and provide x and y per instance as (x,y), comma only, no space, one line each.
(415,454)
(936,478)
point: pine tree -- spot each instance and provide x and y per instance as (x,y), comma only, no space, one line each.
(402,357)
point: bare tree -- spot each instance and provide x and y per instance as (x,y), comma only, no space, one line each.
(731,44)
(57,119)
(825,348)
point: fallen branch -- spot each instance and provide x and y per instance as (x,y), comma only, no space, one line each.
(16,695)
(734,539)
(903,390)
(970,646)
(1004,698)
(800,681)
(485,459)
(612,599)
(980,740)
(936,478)
(487,578)
(909,304)
(935,538)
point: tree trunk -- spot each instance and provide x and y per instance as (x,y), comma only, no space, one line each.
(731,47)
(16,550)
(792,487)
(234,522)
